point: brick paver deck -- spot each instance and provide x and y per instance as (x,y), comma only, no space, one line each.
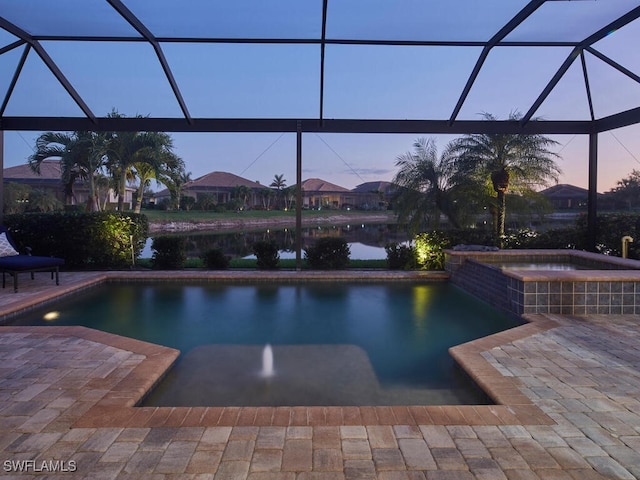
(568,391)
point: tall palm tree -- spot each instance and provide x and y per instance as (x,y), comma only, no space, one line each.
(81,156)
(158,168)
(126,149)
(506,161)
(103,189)
(267,194)
(424,185)
(122,149)
(279,183)
(241,194)
(289,195)
(145,172)
(175,179)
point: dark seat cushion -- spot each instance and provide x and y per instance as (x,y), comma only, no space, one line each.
(19,263)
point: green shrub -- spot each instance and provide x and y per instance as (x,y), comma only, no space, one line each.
(520,238)
(328,254)
(207,201)
(187,202)
(470,236)
(267,255)
(400,257)
(164,204)
(566,237)
(611,228)
(430,250)
(84,240)
(215,259)
(169,252)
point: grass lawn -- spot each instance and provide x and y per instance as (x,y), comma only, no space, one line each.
(286,263)
(165,216)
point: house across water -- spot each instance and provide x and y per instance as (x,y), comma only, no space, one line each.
(219,188)
(21,180)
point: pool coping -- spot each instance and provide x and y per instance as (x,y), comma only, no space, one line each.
(118,407)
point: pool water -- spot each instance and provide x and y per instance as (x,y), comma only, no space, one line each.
(331,343)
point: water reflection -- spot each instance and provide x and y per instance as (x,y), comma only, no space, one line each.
(365,241)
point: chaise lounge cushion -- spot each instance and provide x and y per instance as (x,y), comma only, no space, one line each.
(26,263)
(13,263)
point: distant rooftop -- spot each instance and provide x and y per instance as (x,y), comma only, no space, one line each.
(49,170)
(369,187)
(564,190)
(222,179)
(319,185)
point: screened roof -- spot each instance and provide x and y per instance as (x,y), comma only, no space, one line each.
(334,65)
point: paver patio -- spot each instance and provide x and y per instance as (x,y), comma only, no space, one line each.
(568,388)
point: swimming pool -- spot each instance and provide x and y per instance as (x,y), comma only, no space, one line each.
(331,343)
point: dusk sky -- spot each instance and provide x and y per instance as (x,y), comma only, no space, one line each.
(395,82)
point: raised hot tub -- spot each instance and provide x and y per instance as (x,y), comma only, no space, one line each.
(568,282)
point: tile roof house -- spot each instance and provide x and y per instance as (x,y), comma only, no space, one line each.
(221,185)
(50,174)
(564,196)
(374,195)
(318,193)
(50,180)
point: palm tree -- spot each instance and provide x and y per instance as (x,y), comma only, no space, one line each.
(289,195)
(158,169)
(279,183)
(505,161)
(103,189)
(241,194)
(122,148)
(267,194)
(43,201)
(175,179)
(626,193)
(81,156)
(424,185)
(126,149)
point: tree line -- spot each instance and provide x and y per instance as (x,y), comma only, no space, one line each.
(111,161)
(473,174)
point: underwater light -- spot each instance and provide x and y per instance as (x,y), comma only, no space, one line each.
(51,316)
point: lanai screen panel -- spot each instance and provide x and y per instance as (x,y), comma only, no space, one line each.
(440,61)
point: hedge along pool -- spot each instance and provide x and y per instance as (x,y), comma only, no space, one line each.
(294,344)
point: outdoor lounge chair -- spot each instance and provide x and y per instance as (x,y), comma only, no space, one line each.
(12,262)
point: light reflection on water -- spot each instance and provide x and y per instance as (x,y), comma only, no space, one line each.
(358,251)
(366,241)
